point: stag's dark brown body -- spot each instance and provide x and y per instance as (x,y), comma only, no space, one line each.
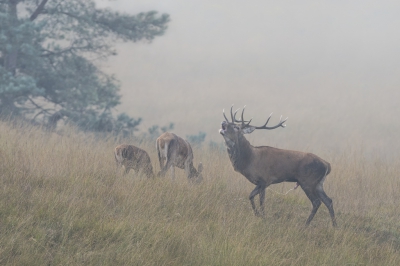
(265,165)
(174,151)
(132,157)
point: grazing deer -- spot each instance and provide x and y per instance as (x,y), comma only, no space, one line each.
(177,152)
(132,157)
(265,165)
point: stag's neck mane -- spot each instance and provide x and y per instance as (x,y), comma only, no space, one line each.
(240,153)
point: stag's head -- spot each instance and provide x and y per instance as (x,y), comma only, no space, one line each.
(233,130)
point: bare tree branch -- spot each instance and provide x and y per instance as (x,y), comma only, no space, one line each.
(38,106)
(38,10)
(72,48)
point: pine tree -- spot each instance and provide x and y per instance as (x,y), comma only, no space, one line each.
(49,51)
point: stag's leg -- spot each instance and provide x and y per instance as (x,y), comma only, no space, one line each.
(257,190)
(262,199)
(315,201)
(328,203)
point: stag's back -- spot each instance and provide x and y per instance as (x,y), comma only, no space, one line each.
(287,165)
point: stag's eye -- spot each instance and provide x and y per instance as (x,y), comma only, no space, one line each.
(236,128)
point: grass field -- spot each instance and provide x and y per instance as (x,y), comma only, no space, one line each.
(62,202)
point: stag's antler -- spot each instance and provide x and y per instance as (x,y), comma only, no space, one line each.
(280,124)
(233,116)
(223,112)
(242,121)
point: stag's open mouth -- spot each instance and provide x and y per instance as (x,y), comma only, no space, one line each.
(224,125)
(223,128)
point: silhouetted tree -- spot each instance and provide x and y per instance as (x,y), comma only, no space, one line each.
(48,55)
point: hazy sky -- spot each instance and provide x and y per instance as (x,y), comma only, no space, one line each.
(290,57)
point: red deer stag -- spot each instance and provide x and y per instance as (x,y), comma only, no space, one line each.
(265,165)
(177,152)
(132,157)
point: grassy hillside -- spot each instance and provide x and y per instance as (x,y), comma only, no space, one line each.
(63,203)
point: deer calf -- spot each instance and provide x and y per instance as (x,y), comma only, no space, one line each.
(176,152)
(132,157)
(265,165)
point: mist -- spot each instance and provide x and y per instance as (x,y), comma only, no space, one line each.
(332,67)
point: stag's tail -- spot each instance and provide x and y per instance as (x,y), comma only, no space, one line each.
(320,186)
(328,168)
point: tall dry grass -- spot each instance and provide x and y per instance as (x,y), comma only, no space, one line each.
(62,202)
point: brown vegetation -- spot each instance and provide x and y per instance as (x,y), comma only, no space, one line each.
(61,203)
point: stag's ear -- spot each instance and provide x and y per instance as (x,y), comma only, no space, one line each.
(248,130)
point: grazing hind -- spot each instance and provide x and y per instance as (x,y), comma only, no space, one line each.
(176,152)
(132,157)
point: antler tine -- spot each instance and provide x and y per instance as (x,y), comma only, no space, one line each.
(280,124)
(248,124)
(233,119)
(234,115)
(223,112)
(244,107)
(243,121)
(269,117)
(284,125)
